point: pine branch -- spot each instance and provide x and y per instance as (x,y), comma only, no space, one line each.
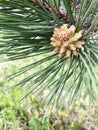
(31,28)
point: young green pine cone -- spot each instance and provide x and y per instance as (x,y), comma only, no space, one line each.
(66,41)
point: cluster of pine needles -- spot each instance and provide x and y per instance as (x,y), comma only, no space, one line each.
(26,29)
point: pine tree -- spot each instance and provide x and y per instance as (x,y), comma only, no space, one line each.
(66,32)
